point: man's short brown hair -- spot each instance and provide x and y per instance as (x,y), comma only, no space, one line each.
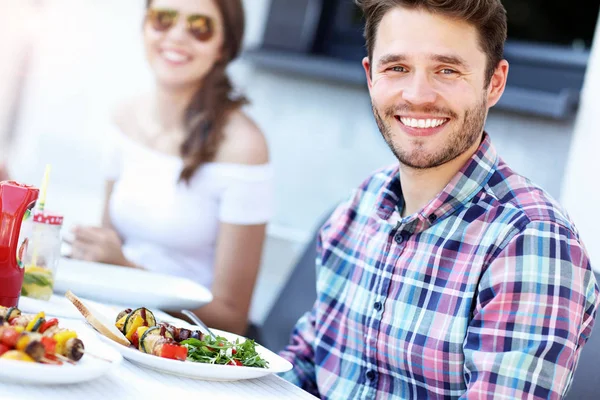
(487,16)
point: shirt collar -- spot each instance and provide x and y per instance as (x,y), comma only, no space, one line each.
(470,180)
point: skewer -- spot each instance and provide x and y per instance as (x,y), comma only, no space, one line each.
(65,359)
(49,361)
(98,357)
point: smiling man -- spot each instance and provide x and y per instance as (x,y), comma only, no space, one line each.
(446,275)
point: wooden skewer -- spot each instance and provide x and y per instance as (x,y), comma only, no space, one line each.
(65,359)
(61,358)
(49,361)
(98,357)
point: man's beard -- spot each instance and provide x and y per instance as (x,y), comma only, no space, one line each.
(459,140)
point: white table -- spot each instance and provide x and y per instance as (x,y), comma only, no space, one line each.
(129,381)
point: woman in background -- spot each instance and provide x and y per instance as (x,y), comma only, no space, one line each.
(189,183)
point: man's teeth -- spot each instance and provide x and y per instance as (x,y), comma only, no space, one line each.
(422,123)
(174,56)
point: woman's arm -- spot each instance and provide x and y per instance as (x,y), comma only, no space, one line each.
(238,247)
(237,261)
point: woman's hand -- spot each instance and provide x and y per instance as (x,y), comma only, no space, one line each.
(98,245)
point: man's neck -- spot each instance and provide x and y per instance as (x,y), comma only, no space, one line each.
(420,186)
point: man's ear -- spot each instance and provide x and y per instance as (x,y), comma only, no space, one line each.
(367,66)
(497,83)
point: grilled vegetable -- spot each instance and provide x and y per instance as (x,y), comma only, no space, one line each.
(121,322)
(49,344)
(11,313)
(9,337)
(17,355)
(172,351)
(21,320)
(51,331)
(32,338)
(74,349)
(48,324)
(122,314)
(131,325)
(36,322)
(183,334)
(151,336)
(35,349)
(140,317)
(62,338)
(135,338)
(149,340)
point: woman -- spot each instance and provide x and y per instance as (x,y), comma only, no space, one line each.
(189,187)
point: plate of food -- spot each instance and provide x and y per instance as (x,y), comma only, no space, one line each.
(114,284)
(35,349)
(180,348)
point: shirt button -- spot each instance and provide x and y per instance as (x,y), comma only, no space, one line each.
(370,375)
(432,218)
(399,238)
(378,306)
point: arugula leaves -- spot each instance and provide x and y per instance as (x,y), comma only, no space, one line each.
(221,351)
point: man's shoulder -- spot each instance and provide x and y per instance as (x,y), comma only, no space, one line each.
(517,194)
(379,184)
(379,180)
(365,199)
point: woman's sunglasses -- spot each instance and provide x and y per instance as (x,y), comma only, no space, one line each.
(199,26)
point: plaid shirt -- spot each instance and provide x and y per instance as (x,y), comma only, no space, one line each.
(487,292)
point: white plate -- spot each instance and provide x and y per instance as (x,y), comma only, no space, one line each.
(119,285)
(57,306)
(203,371)
(86,369)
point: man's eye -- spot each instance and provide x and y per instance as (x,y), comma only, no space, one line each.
(398,69)
(448,71)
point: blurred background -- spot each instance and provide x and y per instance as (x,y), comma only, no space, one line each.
(66,63)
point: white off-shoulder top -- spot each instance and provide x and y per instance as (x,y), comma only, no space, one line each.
(169,226)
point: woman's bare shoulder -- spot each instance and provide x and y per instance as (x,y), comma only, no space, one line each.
(244,142)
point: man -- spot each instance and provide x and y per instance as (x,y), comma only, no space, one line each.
(446,275)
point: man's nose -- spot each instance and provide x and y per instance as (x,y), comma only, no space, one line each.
(418,90)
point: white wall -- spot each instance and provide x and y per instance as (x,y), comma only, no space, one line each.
(581,190)
(87,55)
(324,142)
(14,45)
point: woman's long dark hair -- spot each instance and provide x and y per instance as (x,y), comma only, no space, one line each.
(207,112)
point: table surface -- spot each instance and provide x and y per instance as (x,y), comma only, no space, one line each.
(129,381)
